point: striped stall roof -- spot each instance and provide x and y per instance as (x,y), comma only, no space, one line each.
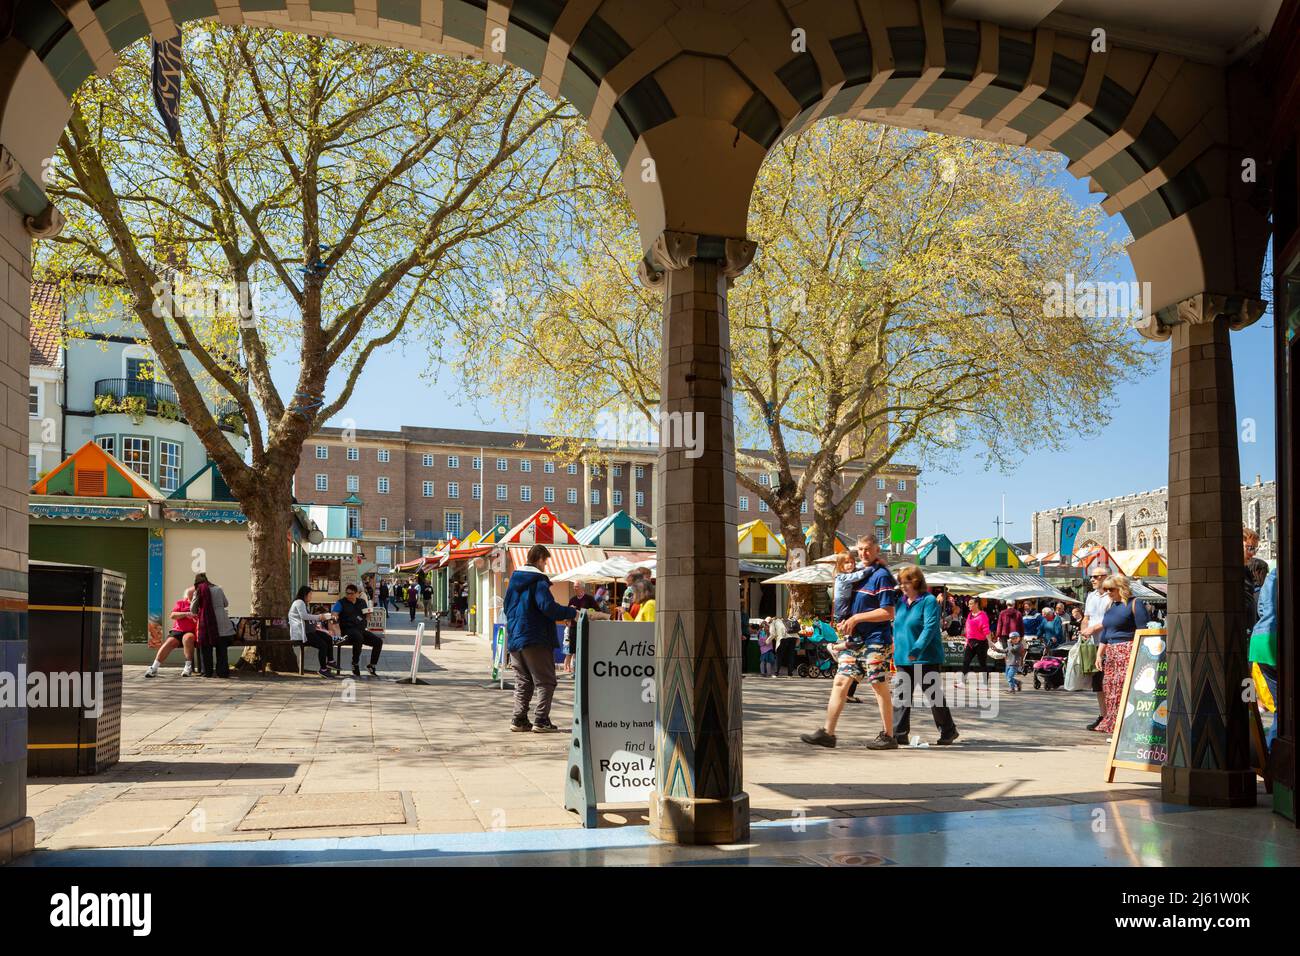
(563,558)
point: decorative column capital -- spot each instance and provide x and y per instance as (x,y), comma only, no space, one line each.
(1240,311)
(10,172)
(678,250)
(46,225)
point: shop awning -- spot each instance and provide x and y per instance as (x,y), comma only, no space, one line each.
(332,548)
(562,558)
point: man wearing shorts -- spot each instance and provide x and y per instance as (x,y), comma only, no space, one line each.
(867,649)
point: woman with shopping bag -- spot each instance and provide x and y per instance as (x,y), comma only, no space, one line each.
(1121,622)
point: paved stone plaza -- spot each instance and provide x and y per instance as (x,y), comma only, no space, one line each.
(283,757)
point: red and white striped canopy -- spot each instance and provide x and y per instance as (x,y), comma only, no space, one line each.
(541,527)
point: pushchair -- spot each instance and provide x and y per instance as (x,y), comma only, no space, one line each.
(818,660)
(1049,671)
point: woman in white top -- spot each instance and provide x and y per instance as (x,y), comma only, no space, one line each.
(301,630)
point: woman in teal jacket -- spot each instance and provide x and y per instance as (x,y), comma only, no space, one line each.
(918,657)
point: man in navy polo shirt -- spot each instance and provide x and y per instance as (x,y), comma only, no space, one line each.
(865,653)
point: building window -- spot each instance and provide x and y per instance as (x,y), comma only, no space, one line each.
(859,507)
(383,486)
(571,496)
(476,463)
(322,483)
(502,464)
(573,469)
(548,467)
(383,455)
(426,461)
(803,507)
(618,471)
(322,452)
(880,508)
(902,484)
(880,484)
(354,454)
(503,493)
(453,461)
(108,443)
(34,401)
(640,499)
(476,491)
(880,536)
(744,502)
(354,483)
(33,467)
(525,493)
(354,523)
(453,489)
(595,496)
(525,464)
(451,523)
(765,480)
(617,497)
(548,495)
(136,455)
(384,557)
(640,472)
(426,488)
(1156,540)
(169,465)
(383,524)
(762,505)
(1142,539)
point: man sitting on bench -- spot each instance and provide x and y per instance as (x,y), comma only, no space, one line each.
(350,612)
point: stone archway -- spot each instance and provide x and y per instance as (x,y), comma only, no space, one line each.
(689,99)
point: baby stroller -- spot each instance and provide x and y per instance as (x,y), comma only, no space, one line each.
(1049,672)
(819,661)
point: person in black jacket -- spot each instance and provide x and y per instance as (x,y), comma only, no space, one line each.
(350,612)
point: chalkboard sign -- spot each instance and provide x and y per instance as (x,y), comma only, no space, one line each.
(1138,742)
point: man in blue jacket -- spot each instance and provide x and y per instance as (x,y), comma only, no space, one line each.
(531,613)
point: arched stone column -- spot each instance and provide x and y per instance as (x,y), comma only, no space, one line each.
(698,761)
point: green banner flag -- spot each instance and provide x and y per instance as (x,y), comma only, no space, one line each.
(900,512)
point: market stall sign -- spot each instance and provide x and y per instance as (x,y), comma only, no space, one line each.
(612,747)
(900,513)
(1141,723)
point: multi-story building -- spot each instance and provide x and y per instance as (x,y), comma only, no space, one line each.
(1142,520)
(408,488)
(104,383)
(45,382)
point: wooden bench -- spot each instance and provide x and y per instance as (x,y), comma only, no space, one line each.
(260,631)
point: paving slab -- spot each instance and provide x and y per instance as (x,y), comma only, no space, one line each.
(371,757)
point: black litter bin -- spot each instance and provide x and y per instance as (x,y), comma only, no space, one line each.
(75,644)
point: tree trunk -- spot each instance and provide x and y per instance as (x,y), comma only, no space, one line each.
(801,605)
(269,521)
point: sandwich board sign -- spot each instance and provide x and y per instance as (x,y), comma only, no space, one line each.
(612,746)
(1138,742)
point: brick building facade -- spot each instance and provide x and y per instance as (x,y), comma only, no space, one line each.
(408,488)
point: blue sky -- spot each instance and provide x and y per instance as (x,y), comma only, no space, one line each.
(1130,456)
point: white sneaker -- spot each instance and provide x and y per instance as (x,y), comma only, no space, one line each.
(187,670)
(152,670)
